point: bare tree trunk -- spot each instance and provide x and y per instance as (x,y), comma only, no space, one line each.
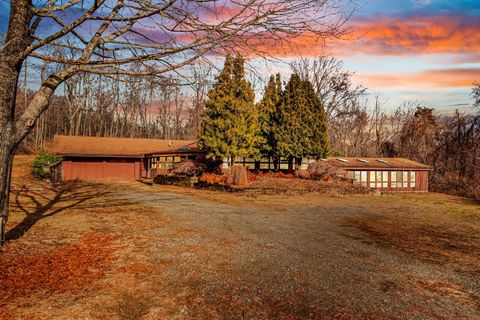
(8,143)
(6,160)
(10,68)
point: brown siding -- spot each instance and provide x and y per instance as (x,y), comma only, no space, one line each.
(422,181)
(101,169)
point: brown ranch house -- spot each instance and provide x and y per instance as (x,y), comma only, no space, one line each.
(100,159)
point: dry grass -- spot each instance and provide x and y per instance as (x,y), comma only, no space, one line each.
(436,228)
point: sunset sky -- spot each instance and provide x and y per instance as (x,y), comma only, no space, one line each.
(424,50)
(412,50)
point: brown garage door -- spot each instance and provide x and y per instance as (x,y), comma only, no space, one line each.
(99,170)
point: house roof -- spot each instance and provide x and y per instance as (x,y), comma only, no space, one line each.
(116,147)
(376,163)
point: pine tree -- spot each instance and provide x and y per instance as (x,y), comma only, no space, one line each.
(303,122)
(293,135)
(230,126)
(319,146)
(269,120)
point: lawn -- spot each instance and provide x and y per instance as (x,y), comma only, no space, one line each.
(132,251)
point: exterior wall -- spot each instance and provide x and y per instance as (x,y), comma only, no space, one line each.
(422,181)
(101,169)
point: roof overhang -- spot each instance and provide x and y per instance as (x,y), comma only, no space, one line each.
(365,168)
(79,155)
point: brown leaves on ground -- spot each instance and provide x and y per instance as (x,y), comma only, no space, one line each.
(27,270)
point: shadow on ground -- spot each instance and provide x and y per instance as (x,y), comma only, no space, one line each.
(41,203)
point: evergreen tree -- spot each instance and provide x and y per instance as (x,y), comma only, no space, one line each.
(230,126)
(319,146)
(303,122)
(269,120)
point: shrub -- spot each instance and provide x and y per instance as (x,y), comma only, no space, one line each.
(322,170)
(173,180)
(42,161)
(188,168)
(212,178)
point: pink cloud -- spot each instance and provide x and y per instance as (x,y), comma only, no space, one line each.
(449,78)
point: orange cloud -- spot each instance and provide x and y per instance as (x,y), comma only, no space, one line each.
(386,36)
(450,78)
(433,34)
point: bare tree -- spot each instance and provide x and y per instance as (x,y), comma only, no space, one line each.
(106,37)
(331,81)
(476,95)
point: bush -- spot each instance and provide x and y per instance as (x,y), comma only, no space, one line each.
(43,160)
(322,170)
(212,178)
(173,180)
(188,168)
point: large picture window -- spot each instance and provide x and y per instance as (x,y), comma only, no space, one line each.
(358,177)
(412,179)
(399,179)
(379,179)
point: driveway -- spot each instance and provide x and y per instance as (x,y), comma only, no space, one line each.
(296,256)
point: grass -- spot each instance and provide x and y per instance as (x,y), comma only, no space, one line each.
(435,227)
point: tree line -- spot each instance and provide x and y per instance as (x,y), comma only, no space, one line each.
(289,122)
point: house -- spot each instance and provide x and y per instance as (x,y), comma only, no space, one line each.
(99,159)
(385,174)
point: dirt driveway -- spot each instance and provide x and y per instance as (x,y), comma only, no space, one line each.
(170,253)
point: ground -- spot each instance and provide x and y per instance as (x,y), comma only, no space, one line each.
(131,251)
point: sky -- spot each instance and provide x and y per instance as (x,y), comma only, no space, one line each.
(422,50)
(405,50)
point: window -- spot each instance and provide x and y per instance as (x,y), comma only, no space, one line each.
(342,160)
(400,179)
(412,179)
(393,181)
(265,164)
(363,178)
(373,179)
(358,177)
(385,179)
(167,162)
(379,179)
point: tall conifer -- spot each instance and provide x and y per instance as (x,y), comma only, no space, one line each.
(230,126)
(269,117)
(303,129)
(319,146)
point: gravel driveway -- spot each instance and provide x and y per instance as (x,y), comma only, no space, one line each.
(292,257)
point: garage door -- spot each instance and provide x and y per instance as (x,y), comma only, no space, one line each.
(99,170)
